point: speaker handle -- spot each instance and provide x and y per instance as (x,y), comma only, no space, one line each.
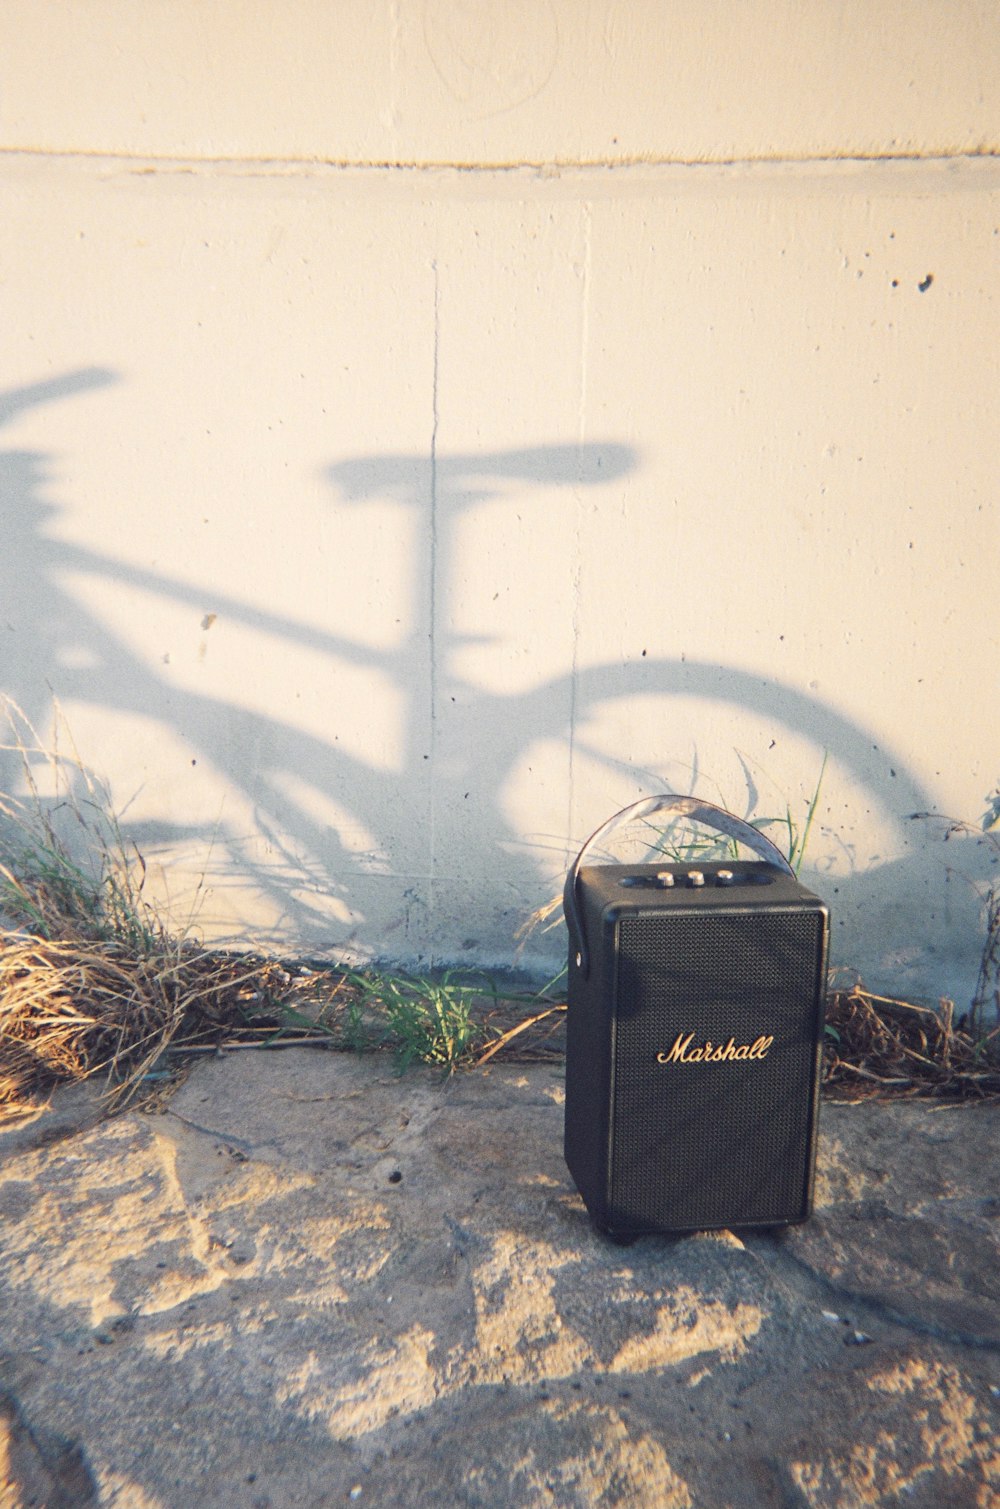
(686,806)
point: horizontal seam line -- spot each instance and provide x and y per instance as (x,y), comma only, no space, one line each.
(416,166)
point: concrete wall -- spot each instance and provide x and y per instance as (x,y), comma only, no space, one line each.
(431,426)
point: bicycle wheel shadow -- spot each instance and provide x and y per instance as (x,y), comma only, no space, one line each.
(421,858)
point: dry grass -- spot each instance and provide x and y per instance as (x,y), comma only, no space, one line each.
(74,1008)
(94,984)
(878,1046)
(874,1047)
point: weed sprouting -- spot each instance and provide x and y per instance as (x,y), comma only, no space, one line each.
(65,866)
(425,1019)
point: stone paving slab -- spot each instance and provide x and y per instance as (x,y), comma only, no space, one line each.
(309,1282)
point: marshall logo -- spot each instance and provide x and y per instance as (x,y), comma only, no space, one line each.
(713,1053)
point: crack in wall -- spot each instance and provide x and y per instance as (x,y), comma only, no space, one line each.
(577,588)
(433,590)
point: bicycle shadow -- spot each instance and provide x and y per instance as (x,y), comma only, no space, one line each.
(421,861)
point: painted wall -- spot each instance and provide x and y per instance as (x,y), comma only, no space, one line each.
(431,426)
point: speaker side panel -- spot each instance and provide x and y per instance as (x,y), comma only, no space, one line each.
(589,1053)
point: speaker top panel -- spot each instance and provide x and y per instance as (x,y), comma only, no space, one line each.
(695,886)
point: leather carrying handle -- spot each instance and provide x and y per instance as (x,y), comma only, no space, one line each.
(681,806)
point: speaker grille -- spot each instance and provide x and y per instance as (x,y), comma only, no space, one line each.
(709,1144)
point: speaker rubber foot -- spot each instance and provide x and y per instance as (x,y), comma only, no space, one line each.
(618,1238)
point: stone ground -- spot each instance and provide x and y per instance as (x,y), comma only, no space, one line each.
(307,1282)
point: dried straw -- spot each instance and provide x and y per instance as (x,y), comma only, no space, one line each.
(879,1046)
(73,1008)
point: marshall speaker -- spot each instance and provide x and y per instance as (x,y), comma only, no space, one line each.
(694,1035)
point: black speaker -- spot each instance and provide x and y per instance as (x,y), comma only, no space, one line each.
(694,1036)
